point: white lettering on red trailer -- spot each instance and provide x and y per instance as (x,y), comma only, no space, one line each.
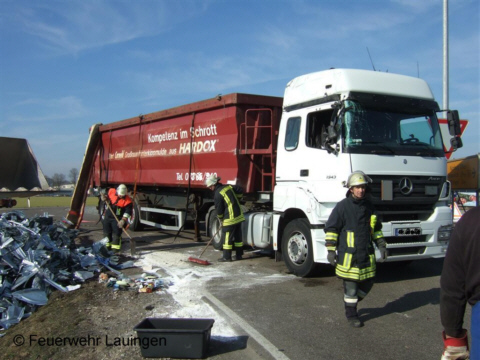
(197,147)
(131,154)
(159,138)
(206,131)
(194,176)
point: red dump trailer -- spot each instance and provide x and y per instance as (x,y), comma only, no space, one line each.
(164,157)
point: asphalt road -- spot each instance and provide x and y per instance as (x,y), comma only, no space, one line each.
(267,313)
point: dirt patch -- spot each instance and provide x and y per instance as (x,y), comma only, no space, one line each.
(98,318)
(93,322)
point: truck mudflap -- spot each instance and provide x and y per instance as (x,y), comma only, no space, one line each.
(77,205)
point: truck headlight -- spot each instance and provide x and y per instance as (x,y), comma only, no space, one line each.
(444,233)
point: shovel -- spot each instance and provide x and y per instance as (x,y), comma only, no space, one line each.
(132,241)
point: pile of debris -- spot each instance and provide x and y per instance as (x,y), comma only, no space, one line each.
(38,256)
(146,283)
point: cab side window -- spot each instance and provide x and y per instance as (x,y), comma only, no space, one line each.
(293,133)
(317,125)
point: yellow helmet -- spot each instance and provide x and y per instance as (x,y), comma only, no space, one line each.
(358,178)
(122,190)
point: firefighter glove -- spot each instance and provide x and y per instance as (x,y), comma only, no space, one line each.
(121,223)
(455,348)
(383,254)
(332,258)
(382,247)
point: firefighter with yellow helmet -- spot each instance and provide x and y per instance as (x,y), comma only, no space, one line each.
(351,230)
(122,206)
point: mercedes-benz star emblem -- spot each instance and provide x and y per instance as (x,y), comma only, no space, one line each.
(406,186)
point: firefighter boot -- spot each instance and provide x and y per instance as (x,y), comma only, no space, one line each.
(238,254)
(352,316)
(116,243)
(227,256)
(108,245)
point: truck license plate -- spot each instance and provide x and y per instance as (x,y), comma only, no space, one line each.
(413,231)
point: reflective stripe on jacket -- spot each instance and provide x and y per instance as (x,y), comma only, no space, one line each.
(227,205)
(350,229)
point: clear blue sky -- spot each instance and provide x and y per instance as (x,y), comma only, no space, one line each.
(65,65)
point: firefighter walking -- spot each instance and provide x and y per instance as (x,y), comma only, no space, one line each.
(350,231)
(226,199)
(122,205)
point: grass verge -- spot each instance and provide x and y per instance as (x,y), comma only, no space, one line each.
(51,201)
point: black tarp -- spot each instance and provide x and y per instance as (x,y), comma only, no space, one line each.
(20,172)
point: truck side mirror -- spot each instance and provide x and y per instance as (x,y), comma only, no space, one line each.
(332,134)
(329,139)
(456,142)
(453,123)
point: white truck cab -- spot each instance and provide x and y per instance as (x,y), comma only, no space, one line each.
(341,120)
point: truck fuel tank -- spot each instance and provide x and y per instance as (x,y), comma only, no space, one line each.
(256,229)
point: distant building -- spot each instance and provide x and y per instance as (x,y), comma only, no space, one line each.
(67,187)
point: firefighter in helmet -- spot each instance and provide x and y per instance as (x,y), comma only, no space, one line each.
(351,230)
(113,223)
(229,211)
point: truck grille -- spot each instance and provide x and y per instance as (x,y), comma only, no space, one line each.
(414,197)
(407,251)
(402,240)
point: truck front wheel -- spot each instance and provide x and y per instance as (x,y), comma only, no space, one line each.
(297,248)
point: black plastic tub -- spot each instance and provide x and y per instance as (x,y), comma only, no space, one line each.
(176,338)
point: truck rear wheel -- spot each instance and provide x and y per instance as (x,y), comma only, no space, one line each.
(297,248)
(135,221)
(213,226)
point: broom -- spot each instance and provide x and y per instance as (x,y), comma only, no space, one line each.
(200,261)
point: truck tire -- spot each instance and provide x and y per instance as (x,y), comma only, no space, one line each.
(213,225)
(297,248)
(136,225)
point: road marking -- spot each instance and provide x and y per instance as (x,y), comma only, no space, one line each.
(259,338)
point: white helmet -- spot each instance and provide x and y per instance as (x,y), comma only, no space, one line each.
(122,190)
(212,180)
(358,178)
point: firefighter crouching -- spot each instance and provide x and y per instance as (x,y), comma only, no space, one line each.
(122,205)
(350,231)
(229,211)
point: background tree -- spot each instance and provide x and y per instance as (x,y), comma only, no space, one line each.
(73,175)
(49,180)
(57,180)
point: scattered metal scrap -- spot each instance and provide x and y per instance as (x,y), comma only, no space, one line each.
(37,256)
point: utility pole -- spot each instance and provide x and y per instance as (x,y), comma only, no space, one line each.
(445,55)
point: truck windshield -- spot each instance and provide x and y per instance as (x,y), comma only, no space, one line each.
(378,131)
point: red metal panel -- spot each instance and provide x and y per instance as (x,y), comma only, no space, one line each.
(156,150)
